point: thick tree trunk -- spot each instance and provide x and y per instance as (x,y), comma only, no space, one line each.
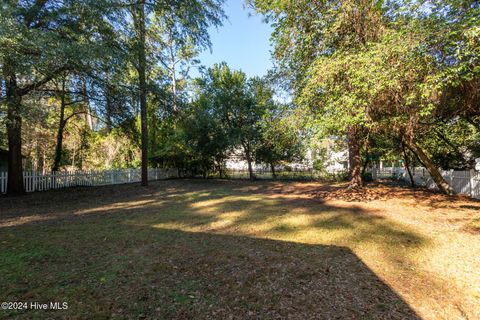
(59,145)
(354,158)
(272,168)
(14,133)
(434,173)
(142,65)
(407,165)
(61,128)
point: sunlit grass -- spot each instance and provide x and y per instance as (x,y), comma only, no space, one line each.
(189,249)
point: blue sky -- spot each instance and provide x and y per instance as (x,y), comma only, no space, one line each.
(242,41)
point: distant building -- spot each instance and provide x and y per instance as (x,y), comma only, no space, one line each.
(330,155)
(3,160)
(335,161)
(236,161)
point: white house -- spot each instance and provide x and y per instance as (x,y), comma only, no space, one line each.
(337,160)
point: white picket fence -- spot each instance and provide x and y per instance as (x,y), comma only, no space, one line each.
(35,181)
(462,182)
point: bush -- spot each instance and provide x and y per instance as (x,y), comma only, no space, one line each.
(319,165)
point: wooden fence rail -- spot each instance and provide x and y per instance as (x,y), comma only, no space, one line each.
(35,181)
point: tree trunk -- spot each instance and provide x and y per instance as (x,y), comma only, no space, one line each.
(365,164)
(274,174)
(36,158)
(354,158)
(248,156)
(220,172)
(44,162)
(174,80)
(61,128)
(14,132)
(73,156)
(108,108)
(88,111)
(142,65)
(220,169)
(407,165)
(59,145)
(434,173)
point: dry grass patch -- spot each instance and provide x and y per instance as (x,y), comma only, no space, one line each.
(235,249)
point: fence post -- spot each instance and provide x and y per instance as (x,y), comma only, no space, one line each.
(2,181)
(35,182)
(471,175)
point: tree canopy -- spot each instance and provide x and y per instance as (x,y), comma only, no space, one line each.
(106,83)
(381,66)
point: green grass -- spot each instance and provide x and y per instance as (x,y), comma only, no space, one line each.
(203,250)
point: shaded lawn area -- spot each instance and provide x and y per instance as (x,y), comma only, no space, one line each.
(193,249)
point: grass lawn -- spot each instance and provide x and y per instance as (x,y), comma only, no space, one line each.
(193,249)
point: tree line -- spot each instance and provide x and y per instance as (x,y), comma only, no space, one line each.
(105,55)
(230,114)
(405,73)
(106,83)
(96,84)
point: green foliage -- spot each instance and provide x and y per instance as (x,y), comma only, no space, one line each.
(391,70)
(93,44)
(229,114)
(42,39)
(280,139)
(453,145)
(385,68)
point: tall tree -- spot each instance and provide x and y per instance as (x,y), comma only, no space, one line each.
(61,124)
(306,36)
(183,20)
(392,66)
(38,41)
(280,138)
(139,21)
(232,98)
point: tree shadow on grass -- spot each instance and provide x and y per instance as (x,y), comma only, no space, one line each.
(262,210)
(156,273)
(223,207)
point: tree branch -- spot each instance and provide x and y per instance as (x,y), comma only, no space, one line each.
(83,112)
(25,90)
